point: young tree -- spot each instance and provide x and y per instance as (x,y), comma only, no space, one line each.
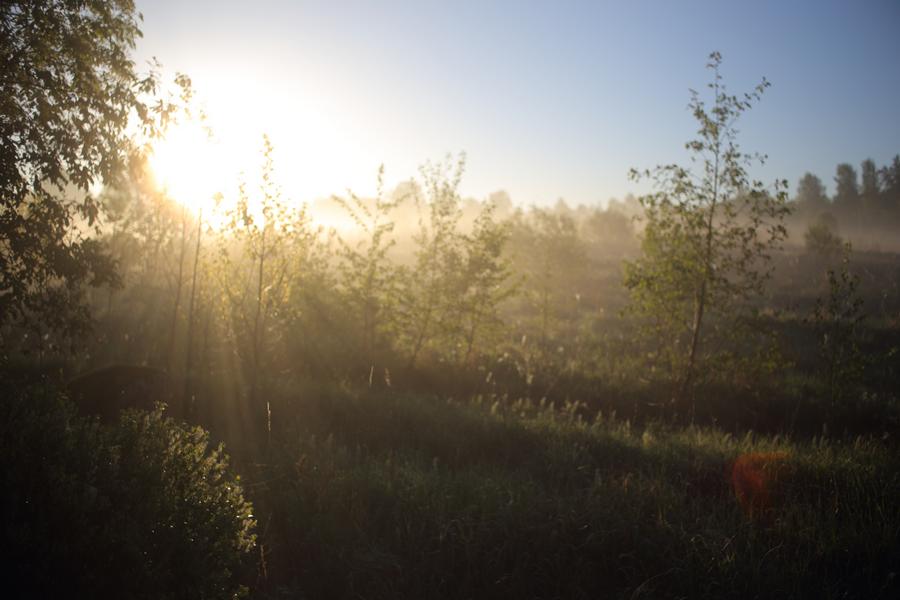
(265,248)
(368,276)
(547,250)
(429,285)
(483,282)
(708,235)
(146,243)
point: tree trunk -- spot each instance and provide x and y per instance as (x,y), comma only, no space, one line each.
(170,358)
(188,399)
(420,340)
(700,304)
(258,332)
(688,379)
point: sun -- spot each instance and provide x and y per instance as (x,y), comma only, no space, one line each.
(189,165)
(201,165)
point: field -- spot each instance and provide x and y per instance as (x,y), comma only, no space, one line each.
(262,336)
(397,496)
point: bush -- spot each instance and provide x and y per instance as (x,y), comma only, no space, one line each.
(144,509)
(822,241)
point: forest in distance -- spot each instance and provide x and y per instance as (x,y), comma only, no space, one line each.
(692,392)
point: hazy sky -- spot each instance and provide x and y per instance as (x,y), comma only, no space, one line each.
(548,99)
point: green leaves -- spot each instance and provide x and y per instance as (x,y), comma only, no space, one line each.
(69,90)
(369,280)
(145,508)
(452,293)
(709,233)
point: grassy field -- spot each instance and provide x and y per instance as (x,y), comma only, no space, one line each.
(365,495)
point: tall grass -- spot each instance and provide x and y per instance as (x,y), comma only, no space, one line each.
(388,496)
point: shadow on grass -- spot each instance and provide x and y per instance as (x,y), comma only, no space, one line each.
(387,496)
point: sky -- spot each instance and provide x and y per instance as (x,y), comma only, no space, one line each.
(547,99)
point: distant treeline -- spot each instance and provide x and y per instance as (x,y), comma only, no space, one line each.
(865,207)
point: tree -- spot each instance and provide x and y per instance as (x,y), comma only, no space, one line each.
(708,235)
(368,277)
(846,196)
(428,287)
(609,233)
(811,197)
(890,185)
(552,258)
(143,229)
(265,250)
(483,282)
(871,191)
(68,89)
(890,188)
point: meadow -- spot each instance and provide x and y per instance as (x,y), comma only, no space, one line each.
(693,392)
(392,495)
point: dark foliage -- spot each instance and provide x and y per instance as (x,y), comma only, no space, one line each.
(68,88)
(144,509)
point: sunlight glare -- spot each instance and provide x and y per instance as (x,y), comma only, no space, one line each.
(315,154)
(190,166)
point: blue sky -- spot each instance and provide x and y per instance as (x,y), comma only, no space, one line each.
(548,99)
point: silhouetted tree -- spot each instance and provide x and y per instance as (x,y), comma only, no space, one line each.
(846,197)
(890,185)
(870,194)
(811,197)
(69,87)
(144,229)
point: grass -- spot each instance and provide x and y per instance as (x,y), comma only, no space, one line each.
(383,495)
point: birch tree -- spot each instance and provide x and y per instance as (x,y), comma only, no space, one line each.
(709,233)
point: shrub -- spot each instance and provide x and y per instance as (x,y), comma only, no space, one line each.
(822,241)
(144,509)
